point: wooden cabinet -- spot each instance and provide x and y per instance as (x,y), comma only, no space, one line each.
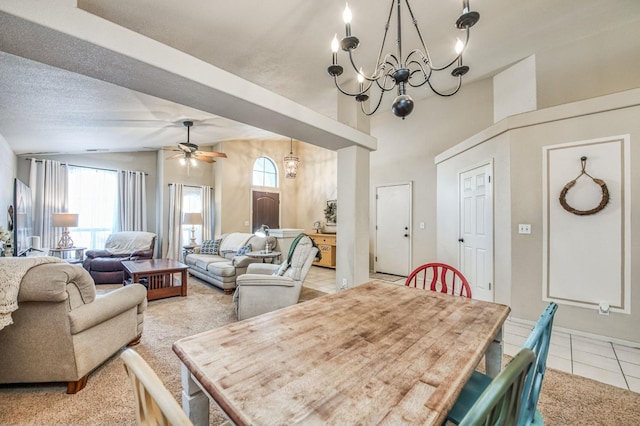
(327,245)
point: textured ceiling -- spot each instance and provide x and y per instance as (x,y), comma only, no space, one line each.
(282,46)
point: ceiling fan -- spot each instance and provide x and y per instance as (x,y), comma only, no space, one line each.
(189,152)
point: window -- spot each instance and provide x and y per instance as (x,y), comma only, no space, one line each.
(93,195)
(191,203)
(265,173)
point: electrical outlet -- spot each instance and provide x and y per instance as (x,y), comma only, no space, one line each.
(344,284)
(524,228)
(421,225)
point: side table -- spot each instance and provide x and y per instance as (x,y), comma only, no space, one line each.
(272,255)
(70,254)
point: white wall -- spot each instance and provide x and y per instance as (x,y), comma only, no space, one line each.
(7,175)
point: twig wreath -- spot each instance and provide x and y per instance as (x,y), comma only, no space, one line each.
(569,185)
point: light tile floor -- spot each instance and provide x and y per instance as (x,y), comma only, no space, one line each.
(606,362)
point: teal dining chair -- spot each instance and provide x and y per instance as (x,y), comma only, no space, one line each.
(538,342)
(501,402)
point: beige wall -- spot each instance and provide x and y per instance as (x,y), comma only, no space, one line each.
(138,161)
(526,166)
(171,171)
(302,200)
(406,149)
(516,150)
(587,68)
(598,65)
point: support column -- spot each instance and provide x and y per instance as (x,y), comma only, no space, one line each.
(352,262)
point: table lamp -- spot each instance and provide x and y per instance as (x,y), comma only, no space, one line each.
(263,232)
(192,219)
(66,221)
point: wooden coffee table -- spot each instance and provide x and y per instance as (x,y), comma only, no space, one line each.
(158,276)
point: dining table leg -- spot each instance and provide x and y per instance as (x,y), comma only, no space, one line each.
(195,403)
(493,356)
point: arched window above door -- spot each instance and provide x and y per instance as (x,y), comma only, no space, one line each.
(265,173)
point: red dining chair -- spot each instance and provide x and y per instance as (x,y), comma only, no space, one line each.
(439,277)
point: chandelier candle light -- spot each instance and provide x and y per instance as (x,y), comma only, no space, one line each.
(66,221)
(395,71)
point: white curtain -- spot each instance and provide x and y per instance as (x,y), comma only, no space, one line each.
(174,249)
(207,213)
(49,185)
(132,201)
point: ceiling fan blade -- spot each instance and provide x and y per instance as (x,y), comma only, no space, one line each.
(212,154)
(205,159)
(188,147)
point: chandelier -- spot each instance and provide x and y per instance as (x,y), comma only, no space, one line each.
(291,163)
(393,71)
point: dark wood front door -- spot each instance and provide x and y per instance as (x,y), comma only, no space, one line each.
(266,210)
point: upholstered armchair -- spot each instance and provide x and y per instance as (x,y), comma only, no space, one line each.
(62,330)
(105,266)
(266,287)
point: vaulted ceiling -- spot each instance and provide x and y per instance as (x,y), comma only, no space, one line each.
(282,46)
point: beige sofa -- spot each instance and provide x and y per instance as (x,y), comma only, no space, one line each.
(62,330)
(223,268)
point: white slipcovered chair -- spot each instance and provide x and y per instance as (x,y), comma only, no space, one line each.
(266,287)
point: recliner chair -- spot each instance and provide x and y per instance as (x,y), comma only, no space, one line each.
(266,287)
(105,266)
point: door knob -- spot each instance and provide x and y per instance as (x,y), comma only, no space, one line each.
(406,235)
(461,240)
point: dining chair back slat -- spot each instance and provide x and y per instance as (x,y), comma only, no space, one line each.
(538,341)
(155,406)
(439,277)
(501,401)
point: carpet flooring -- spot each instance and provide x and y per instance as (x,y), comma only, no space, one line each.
(108,400)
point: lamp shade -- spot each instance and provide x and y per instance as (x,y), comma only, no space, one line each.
(65,220)
(263,231)
(192,219)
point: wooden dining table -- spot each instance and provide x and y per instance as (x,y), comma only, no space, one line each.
(377,353)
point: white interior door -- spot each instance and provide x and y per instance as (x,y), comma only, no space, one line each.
(393,229)
(476,231)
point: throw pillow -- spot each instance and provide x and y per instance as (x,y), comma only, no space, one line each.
(211,247)
(243,250)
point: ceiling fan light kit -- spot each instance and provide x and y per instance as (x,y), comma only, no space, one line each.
(190,152)
(395,71)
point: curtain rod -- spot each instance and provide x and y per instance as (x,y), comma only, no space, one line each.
(84,167)
(188,186)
